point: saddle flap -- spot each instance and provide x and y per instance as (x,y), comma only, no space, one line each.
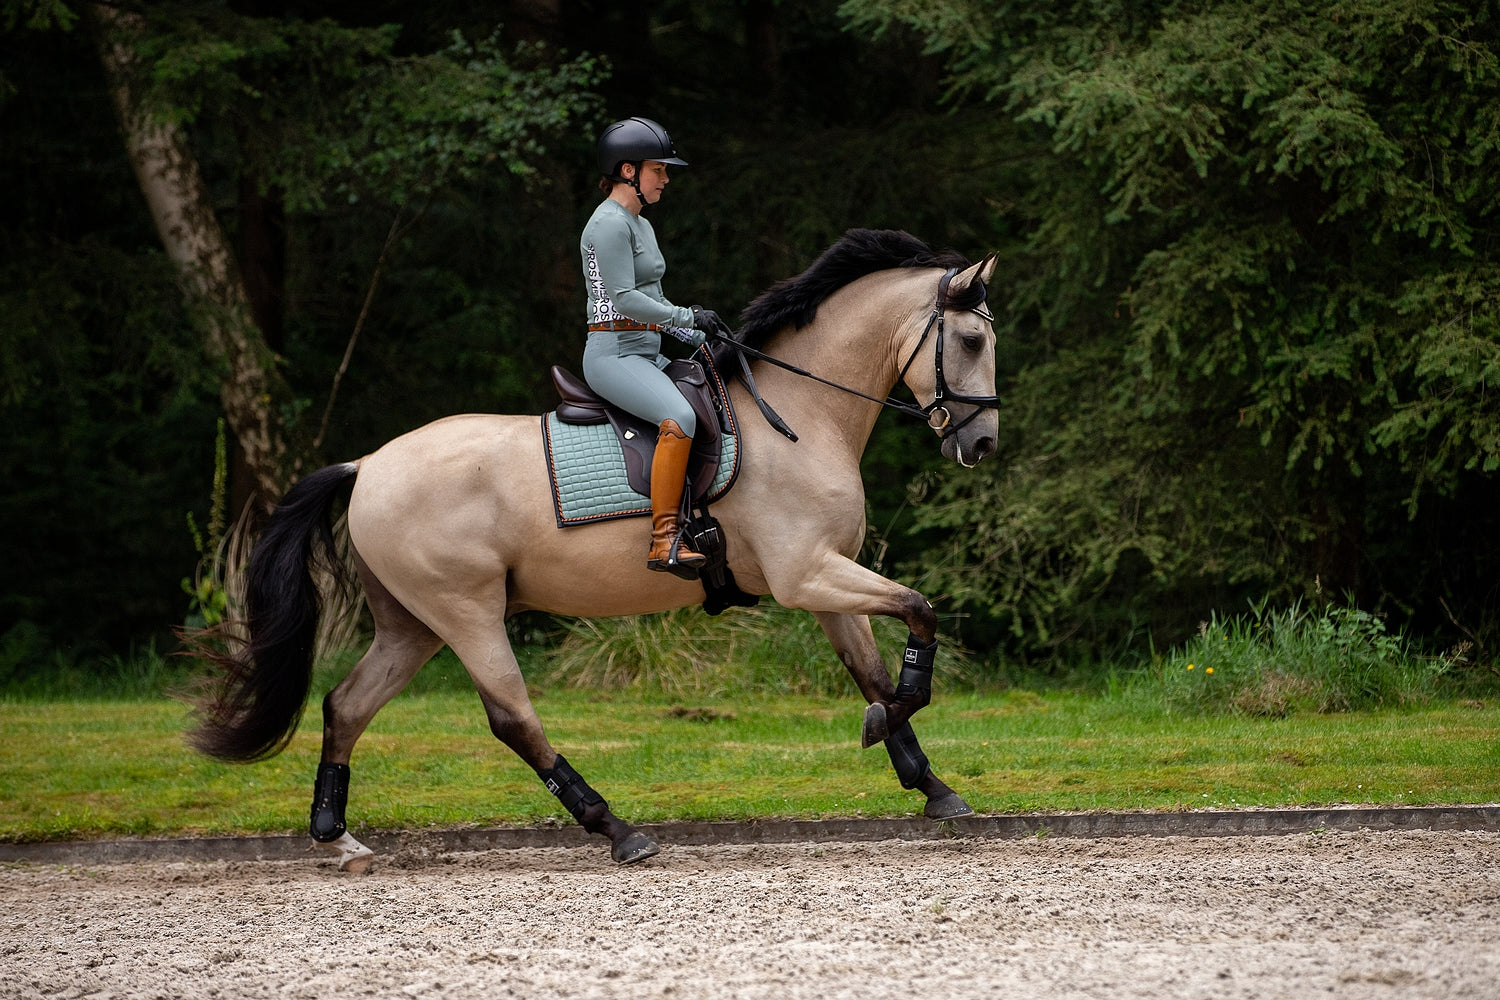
(692,382)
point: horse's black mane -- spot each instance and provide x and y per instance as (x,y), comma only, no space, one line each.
(794,301)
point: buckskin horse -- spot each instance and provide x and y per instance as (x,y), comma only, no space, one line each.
(452,530)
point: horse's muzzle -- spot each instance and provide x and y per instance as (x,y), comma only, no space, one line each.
(969,457)
(968,443)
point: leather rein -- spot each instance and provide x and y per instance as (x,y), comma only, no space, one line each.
(942,395)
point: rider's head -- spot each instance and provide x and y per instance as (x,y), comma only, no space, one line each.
(633,141)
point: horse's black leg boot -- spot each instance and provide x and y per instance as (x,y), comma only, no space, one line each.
(913,692)
(913,769)
(592,813)
(906,755)
(330,797)
(587,806)
(914,685)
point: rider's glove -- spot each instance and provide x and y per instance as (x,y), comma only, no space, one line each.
(696,338)
(709,322)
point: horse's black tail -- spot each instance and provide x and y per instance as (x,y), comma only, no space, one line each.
(251,707)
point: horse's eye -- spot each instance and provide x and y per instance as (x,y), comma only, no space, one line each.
(972,343)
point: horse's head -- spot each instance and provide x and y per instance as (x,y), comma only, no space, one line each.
(951,368)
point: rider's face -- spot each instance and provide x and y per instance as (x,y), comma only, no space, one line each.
(653,180)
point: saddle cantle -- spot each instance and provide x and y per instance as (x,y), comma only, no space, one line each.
(581,406)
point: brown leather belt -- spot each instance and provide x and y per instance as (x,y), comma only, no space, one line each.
(625,324)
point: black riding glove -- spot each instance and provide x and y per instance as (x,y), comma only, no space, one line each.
(709,322)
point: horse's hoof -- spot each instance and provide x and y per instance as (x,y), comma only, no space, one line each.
(950,806)
(877,726)
(358,865)
(636,847)
(354,857)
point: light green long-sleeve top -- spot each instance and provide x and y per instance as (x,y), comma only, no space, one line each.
(623,268)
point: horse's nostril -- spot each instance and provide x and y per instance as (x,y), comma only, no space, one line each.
(984,447)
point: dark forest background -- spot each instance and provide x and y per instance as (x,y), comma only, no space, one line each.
(1246,303)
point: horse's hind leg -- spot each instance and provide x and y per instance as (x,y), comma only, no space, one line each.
(402,645)
(855,645)
(492,664)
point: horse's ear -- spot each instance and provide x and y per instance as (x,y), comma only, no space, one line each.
(963,279)
(982,271)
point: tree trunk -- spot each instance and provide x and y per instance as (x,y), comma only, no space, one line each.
(167,172)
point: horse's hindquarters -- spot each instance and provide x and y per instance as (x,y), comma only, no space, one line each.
(436,514)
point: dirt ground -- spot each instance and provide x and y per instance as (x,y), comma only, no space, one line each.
(1399,914)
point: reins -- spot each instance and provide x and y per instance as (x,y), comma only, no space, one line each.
(941,392)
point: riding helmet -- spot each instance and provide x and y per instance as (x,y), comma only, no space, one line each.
(634,140)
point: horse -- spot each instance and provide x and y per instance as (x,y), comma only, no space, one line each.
(450,530)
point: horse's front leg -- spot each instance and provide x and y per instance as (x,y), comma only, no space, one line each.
(855,645)
(840,585)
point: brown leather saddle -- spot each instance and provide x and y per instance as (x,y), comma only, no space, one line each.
(704,391)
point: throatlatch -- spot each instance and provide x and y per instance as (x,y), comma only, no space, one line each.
(330,798)
(914,685)
(572,791)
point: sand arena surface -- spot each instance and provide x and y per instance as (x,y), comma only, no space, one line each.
(1391,914)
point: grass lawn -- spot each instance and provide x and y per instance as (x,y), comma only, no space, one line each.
(71,769)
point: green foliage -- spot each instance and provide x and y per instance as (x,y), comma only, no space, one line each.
(1449,427)
(1247,287)
(324,112)
(1274,663)
(33,667)
(1255,312)
(38,15)
(99,385)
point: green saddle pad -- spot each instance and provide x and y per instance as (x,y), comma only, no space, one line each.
(587,467)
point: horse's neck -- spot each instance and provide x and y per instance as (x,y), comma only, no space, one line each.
(857,340)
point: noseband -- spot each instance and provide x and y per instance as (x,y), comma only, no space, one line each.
(942,395)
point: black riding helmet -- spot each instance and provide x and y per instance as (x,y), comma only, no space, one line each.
(632,141)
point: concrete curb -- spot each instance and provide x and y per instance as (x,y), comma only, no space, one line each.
(1198,823)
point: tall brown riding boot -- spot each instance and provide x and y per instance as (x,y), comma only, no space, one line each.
(668,479)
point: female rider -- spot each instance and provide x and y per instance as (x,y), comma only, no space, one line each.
(622,268)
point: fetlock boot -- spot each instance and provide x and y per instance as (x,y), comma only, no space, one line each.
(670,553)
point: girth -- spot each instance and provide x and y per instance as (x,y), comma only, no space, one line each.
(703,390)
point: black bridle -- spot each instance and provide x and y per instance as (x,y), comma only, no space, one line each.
(941,392)
(942,395)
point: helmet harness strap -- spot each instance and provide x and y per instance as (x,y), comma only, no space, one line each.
(634,181)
